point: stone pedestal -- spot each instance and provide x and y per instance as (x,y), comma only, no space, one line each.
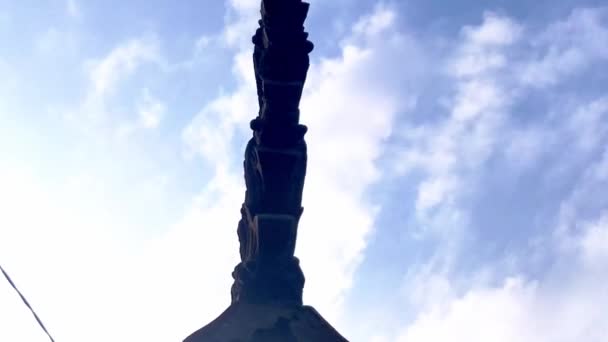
(267,323)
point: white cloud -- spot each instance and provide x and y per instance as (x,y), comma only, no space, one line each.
(101,113)
(373,25)
(186,272)
(485,71)
(476,97)
(567,305)
(243,6)
(121,62)
(350,105)
(243,16)
(150,110)
(567,302)
(455,146)
(480,50)
(496,30)
(568,47)
(594,244)
(212,130)
(586,124)
(586,199)
(575,131)
(525,146)
(433,192)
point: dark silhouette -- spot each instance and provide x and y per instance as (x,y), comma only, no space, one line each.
(268,283)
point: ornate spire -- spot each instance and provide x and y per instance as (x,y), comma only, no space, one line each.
(275,160)
(268,282)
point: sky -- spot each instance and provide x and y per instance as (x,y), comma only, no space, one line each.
(458,166)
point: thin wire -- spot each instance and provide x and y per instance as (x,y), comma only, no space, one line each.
(10,281)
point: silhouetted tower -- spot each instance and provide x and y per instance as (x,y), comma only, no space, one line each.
(268,283)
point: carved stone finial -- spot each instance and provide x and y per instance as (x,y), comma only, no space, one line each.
(275,159)
(268,282)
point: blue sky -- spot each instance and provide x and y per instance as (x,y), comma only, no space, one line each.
(457,172)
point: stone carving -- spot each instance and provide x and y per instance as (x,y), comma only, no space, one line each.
(268,282)
(275,160)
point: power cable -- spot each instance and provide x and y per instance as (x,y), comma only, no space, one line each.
(10,281)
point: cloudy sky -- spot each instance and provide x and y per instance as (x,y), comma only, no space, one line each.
(457,178)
